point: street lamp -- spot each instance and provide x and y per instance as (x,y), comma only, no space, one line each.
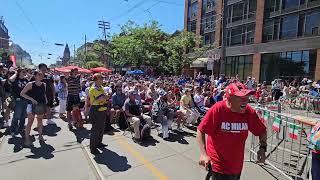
(58,44)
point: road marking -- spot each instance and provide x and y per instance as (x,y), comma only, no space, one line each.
(93,164)
(155,171)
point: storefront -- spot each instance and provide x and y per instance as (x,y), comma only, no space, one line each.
(288,65)
(240,66)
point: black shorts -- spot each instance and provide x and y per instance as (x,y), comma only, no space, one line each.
(72,101)
(50,101)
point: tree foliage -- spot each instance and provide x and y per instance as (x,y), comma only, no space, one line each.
(145,45)
(93,64)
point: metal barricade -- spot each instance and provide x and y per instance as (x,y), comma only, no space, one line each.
(287,151)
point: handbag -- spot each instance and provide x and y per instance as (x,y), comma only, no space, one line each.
(39,109)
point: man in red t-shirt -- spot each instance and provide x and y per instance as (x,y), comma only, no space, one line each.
(226,125)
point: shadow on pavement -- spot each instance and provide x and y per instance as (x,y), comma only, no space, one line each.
(112,160)
(150,141)
(179,137)
(18,143)
(51,130)
(44,151)
(81,134)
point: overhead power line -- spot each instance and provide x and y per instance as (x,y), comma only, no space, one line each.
(30,21)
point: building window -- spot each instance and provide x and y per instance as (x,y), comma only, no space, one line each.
(289,27)
(208,22)
(208,5)
(208,38)
(193,10)
(312,26)
(238,65)
(192,26)
(288,65)
(241,35)
(286,4)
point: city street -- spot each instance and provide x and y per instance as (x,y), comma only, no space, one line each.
(63,157)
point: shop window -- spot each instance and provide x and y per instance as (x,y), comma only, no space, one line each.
(288,65)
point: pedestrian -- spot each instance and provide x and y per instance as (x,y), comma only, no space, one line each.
(19,81)
(226,125)
(73,98)
(50,91)
(98,112)
(62,95)
(35,92)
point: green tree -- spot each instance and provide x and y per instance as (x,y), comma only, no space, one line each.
(138,45)
(175,49)
(93,64)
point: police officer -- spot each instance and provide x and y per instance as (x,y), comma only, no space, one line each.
(98,112)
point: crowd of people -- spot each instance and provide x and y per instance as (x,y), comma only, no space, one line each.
(139,103)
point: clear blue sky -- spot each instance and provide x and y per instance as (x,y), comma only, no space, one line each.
(37,24)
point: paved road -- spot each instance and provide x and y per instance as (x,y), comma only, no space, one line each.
(63,157)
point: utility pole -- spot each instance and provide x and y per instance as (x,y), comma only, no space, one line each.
(223,37)
(104,25)
(74,54)
(85,48)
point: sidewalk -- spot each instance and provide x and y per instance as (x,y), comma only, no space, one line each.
(62,157)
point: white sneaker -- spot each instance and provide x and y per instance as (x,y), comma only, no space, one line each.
(5,124)
(49,121)
(179,129)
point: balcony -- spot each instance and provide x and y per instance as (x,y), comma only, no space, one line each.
(241,22)
(303,7)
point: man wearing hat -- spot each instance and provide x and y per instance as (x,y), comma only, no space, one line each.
(133,111)
(226,125)
(162,113)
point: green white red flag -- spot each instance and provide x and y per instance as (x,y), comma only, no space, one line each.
(266,115)
(276,124)
(294,131)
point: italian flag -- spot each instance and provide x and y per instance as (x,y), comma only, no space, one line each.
(266,115)
(294,131)
(276,124)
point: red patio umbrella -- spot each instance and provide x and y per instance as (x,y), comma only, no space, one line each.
(62,70)
(69,68)
(100,69)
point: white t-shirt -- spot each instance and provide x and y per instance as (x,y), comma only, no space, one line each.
(108,90)
(199,100)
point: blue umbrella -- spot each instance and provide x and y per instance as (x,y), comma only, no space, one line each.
(135,72)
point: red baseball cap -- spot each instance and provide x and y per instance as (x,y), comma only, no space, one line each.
(238,89)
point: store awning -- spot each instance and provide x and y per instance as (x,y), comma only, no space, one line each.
(199,63)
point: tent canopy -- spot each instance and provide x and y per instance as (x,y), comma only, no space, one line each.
(135,72)
(100,69)
(69,68)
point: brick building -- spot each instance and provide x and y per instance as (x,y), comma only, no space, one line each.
(4,35)
(265,39)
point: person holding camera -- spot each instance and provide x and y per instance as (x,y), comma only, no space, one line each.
(226,125)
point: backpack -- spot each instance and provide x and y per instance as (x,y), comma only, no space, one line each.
(145,130)
(122,122)
(314,138)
